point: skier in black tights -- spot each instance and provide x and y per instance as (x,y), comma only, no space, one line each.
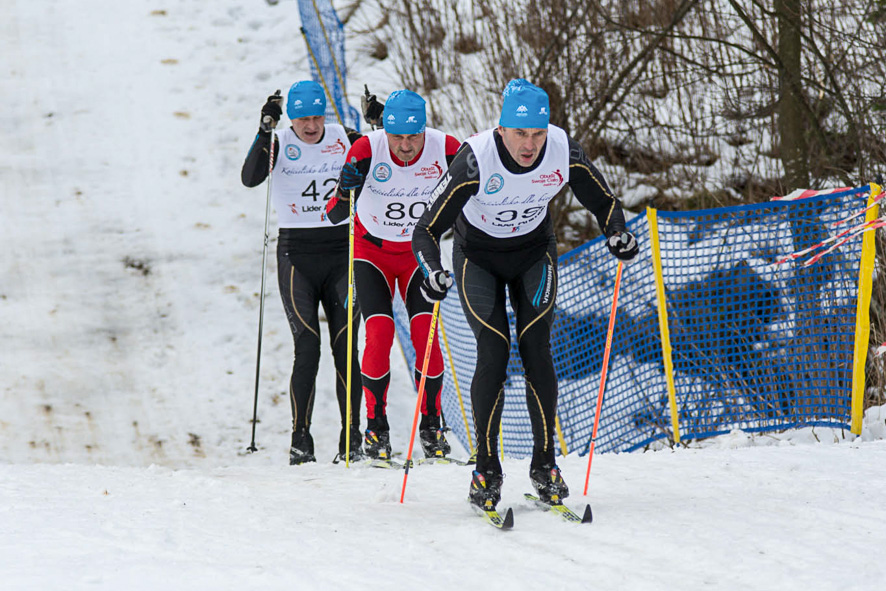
(312,253)
(496,193)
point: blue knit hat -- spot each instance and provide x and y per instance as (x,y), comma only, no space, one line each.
(524,106)
(404,113)
(306,99)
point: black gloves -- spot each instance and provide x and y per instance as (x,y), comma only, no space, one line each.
(623,246)
(351,177)
(271,112)
(372,109)
(435,286)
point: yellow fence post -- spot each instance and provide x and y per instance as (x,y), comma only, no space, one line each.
(862,315)
(652,216)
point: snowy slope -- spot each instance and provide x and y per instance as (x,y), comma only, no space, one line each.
(793,517)
(131,262)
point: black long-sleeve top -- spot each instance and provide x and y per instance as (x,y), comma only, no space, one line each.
(463,182)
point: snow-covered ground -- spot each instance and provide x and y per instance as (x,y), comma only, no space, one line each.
(131,262)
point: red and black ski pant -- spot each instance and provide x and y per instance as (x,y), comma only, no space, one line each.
(379,271)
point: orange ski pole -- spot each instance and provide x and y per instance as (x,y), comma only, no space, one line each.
(421,393)
(603,375)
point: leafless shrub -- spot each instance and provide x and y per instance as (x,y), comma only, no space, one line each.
(685,96)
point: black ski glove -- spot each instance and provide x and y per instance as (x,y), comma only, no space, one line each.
(351,177)
(435,286)
(372,109)
(271,112)
(623,246)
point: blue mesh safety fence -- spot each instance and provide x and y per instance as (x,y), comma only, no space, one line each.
(325,36)
(755,345)
(758,345)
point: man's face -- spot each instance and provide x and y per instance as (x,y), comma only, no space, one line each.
(523,145)
(406,147)
(309,129)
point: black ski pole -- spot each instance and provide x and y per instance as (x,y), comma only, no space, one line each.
(264,265)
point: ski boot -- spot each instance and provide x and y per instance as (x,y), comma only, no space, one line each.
(302,449)
(485,491)
(434,443)
(377,444)
(549,484)
(356,442)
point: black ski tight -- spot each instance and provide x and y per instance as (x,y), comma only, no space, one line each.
(307,280)
(531,279)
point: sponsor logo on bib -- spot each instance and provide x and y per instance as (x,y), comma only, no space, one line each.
(293,152)
(494,184)
(381,172)
(549,180)
(430,172)
(337,148)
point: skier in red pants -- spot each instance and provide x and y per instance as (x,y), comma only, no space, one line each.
(392,172)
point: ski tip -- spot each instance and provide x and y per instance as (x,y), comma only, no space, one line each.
(508,522)
(588,516)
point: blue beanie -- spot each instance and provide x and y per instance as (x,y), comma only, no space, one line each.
(404,113)
(306,99)
(525,106)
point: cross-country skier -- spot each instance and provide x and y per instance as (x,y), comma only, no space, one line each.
(496,193)
(312,252)
(393,171)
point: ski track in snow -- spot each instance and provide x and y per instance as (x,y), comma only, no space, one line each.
(128,321)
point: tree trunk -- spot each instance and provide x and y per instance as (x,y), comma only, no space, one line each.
(792,124)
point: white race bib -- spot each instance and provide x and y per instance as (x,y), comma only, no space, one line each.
(394,197)
(509,204)
(305,176)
